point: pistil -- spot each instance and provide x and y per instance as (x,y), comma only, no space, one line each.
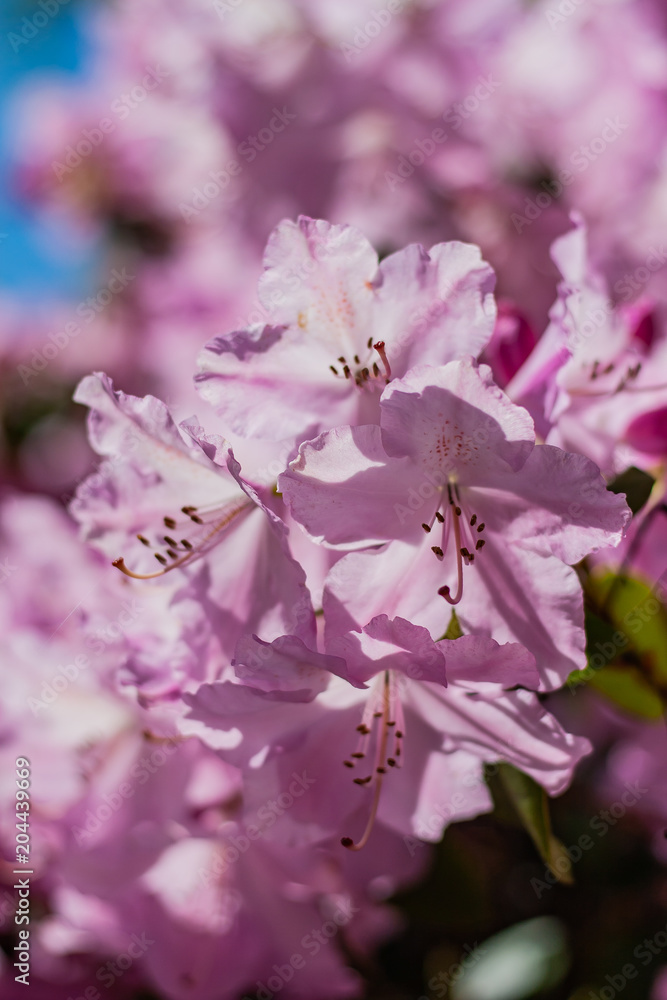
(464,553)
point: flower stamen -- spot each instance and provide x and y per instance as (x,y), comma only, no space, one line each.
(215,521)
(367,372)
(391,726)
(465,553)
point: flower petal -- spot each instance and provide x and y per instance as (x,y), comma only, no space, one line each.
(557,504)
(266,382)
(455,422)
(385,644)
(345,492)
(433,307)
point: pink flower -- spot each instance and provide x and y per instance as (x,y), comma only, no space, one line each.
(171,499)
(340,326)
(511,344)
(642,551)
(477,515)
(412,733)
(596,383)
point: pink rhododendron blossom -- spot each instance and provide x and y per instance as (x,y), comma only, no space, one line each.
(511,344)
(285,675)
(135,836)
(598,376)
(419,721)
(166,497)
(641,553)
(477,515)
(340,326)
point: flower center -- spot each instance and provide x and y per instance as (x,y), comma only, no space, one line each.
(465,530)
(206,526)
(382,724)
(367,373)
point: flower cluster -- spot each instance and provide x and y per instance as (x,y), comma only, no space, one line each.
(367,493)
(315,654)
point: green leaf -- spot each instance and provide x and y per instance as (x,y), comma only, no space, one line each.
(598,631)
(638,612)
(639,621)
(531,804)
(637,486)
(454,630)
(626,687)
(627,650)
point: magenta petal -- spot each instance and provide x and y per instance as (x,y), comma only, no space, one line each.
(451,788)
(454,421)
(266,382)
(558,504)
(319,276)
(511,595)
(513,727)
(239,721)
(435,306)
(512,342)
(151,469)
(385,644)
(648,432)
(286,664)
(344,490)
(483,665)
(519,596)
